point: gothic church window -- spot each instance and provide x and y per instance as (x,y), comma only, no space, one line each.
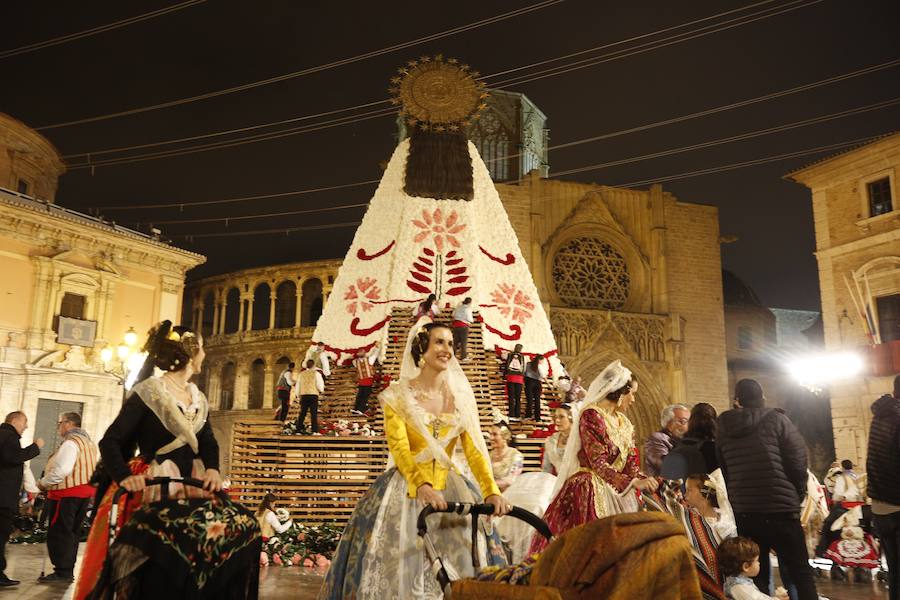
(590,273)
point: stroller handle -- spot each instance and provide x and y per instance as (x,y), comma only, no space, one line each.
(467,508)
(164,491)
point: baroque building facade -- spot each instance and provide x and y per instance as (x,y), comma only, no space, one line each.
(72,286)
(856,212)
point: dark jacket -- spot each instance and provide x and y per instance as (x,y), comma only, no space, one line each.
(12,457)
(690,456)
(137,424)
(763,458)
(883,459)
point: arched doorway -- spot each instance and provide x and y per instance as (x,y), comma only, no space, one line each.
(311,308)
(257,383)
(286,304)
(261,299)
(232,310)
(226,397)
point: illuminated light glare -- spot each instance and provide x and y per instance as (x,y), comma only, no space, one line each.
(133,367)
(106,354)
(818,370)
(123,351)
(131,336)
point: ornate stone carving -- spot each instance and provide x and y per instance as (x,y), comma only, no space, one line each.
(590,273)
(575,330)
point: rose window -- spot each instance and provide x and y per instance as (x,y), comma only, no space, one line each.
(590,273)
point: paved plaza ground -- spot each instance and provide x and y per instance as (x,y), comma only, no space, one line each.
(280,583)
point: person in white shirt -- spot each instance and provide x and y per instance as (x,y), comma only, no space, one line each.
(739,563)
(283,391)
(66,480)
(462,319)
(311,385)
(319,356)
(844,490)
(269,523)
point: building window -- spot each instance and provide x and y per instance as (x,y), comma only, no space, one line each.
(880,201)
(590,273)
(72,306)
(23,187)
(745,338)
(888,317)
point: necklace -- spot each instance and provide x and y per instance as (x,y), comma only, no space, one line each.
(169,380)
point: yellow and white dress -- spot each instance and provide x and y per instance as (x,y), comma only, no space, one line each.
(378,556)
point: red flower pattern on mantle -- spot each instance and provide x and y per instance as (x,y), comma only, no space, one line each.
(512,302)
(443,231)
(362,294)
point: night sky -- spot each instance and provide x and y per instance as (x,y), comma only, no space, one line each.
(215,45)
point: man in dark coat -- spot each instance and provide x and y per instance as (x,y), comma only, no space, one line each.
(12,460)
(763,458)
(883,469)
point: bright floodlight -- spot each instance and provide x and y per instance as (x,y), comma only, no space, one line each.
(131,336)
(106,354)
(823,369)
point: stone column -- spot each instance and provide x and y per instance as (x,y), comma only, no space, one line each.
(241,386)
(272,297)
(215,323)
(241,313)
(200,308)
(42,278)
(249,313)
(268,400)
(222,315)
(299,304)
(659,279)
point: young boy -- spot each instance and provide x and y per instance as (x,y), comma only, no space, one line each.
(739,562)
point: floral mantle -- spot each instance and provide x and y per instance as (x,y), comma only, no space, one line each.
(310,547)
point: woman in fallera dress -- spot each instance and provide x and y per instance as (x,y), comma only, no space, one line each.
(166,419)
(426,413)
(600,474)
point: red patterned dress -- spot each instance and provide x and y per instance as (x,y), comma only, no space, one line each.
(601,487)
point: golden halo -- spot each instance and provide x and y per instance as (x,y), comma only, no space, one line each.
(438,95)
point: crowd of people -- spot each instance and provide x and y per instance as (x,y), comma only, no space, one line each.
(738,483)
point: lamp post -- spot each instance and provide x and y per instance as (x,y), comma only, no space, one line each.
(124,361)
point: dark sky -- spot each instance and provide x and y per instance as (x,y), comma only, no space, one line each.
(221,44)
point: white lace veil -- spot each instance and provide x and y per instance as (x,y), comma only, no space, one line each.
(399,397)
(613,377)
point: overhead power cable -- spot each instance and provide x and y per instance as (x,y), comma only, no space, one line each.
(648,126)
(316,69)
(734,138)
(595,167)
(748,163)
(655,45)
(677,176)
(350,120)
(95,30)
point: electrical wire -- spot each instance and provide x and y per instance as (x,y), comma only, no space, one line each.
(316,69)
(673,177)
(749,163)
(522,79)
(734,138)
(595,167)
(95,30)
(679,119)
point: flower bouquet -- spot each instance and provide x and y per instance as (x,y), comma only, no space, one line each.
(310,547)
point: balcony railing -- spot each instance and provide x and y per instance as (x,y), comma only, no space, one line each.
(258,335)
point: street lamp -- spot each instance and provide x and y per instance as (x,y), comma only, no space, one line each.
(128,359)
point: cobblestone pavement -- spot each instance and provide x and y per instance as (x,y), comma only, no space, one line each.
(280,583)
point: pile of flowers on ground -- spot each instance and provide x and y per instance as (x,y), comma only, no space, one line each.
(310,547)
(333,428)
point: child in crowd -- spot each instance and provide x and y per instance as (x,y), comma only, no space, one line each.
(739,562)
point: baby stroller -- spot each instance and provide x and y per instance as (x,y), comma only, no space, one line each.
(461,508)
(855,550)
(195,548)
